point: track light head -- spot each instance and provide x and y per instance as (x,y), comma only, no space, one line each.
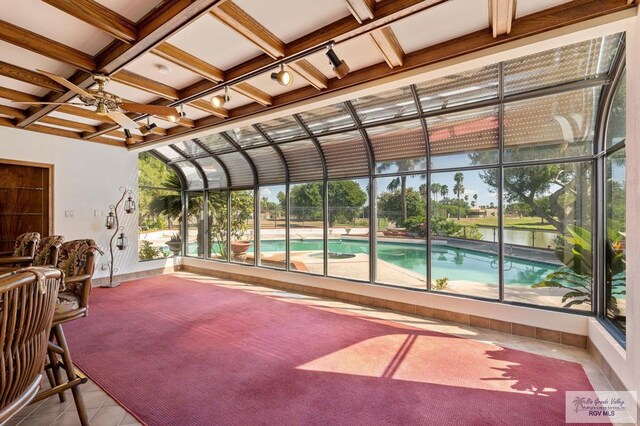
(182,113)
(127,133)
(145,129)
(340,67)
(219,101)
(284,78)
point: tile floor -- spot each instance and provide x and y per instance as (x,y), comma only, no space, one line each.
(104,411)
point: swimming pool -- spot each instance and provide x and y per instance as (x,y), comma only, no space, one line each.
(452,262)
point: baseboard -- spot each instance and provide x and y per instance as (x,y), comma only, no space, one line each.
(564,338)
(104,281)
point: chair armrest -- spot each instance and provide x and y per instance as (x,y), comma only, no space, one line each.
(77,279)
(16,259)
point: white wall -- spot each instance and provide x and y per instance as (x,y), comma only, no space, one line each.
(86,180)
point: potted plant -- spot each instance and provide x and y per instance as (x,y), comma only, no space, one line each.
(239,247)
(175,244)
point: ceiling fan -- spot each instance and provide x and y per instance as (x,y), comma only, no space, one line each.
(109,104)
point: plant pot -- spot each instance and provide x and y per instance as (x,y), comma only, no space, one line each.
(175,247)
(240,247)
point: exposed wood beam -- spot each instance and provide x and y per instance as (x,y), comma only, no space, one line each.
(389,46)
(188,61)
(184,122)
(120,134)
(108,141)
(67,123)
(557,17)
(205,106)
(12,112)
(310,73)
(85,113)
(501,16)
(153,29)
(15,95)
(43,46)
(143,83)
(240,21)
(362,10)
(254,93)
(7,122)
(28,76)
(633,1)
(93,13)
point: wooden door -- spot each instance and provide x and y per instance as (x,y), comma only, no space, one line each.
(25,200)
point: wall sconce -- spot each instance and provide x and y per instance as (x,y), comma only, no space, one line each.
(122,242)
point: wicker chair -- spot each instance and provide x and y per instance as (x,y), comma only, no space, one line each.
(27,298)
(77,261)
(23,251)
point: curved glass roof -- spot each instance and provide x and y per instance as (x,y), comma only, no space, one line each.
(549,98)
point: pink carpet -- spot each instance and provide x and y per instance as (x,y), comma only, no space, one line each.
(179,352)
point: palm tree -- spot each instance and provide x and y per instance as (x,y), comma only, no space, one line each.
(444,191)
(401,181)
(435,190)
(458,188)
(475,199)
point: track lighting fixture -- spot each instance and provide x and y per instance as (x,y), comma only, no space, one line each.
(182,113)
(145,129)
(340,67)
(127,133)
(284,78)
(218,101)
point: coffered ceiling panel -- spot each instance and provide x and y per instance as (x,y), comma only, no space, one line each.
(215,43)
(292,19)
(32,61)
(159,69)
(132,10)
(527,7)
(39,17)
(443,22)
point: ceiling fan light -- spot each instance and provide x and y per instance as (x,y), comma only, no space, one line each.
(101,109)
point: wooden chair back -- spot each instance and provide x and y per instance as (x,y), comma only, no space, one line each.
(27,303)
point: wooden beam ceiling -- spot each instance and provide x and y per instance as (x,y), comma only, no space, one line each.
(67,123)
(152,30)
(362,10)
(205,106)
(240,21)
(12,112)
(28,76)
(501,16)
(188,61)
(550,19)
(254,93)
(146,84)
(15,95)
(389,46)
(310,73)
(101,17)
(52,49)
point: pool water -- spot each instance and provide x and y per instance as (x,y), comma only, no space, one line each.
(455,263)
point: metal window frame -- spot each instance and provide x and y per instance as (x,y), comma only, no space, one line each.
(609,84)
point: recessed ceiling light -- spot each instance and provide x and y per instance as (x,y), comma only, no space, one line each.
(163,69)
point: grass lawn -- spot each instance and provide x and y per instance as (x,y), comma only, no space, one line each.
(510,222)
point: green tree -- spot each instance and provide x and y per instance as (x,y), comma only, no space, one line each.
(400,181)
(390,202)
(346,200)
(306,201)
(458,188)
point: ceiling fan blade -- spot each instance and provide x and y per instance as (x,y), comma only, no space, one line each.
(150,109)
(66,83)
(122,120)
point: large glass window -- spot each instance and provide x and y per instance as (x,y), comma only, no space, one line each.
(273,226)
(306,232)
(159,210)
(218,220)
(464,224)
(504,157)
(547,235)
(401,250)
(195,224)
(348,251)
(616,247)
(241,226)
